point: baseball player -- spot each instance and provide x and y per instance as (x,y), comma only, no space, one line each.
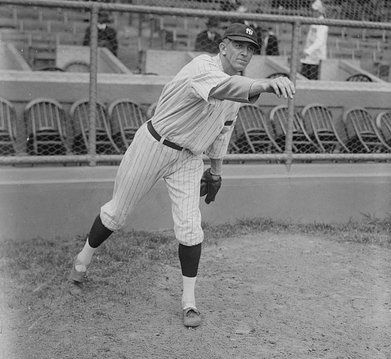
(195,114)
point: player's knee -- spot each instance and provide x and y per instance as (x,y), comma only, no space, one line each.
(189,243)
(191,240)
(189,233)
(111,222)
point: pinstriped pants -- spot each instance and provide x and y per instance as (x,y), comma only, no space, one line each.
(145,162)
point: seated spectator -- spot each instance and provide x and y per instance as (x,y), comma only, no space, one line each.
(269,43)
(209,40)
(107,36)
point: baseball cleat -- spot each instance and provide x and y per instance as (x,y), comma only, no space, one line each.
(78,276)
(191,317)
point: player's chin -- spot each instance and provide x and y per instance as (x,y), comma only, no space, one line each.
(241,65)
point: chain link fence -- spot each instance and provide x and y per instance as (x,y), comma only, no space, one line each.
(86,130)
(366,10)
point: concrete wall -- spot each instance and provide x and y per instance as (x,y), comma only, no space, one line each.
(63,201)
(107,62)
(11,58)
(168,63)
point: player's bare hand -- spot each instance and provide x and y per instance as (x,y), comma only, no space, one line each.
(282,86)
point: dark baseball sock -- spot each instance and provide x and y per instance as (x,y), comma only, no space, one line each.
(98,234)
(189,257)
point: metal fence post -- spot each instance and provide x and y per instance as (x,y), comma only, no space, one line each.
(296,27)
(93,83)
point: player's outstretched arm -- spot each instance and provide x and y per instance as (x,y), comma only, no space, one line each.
(244,89)
(280,86)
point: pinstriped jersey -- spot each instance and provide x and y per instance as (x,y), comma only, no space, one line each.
(195,105)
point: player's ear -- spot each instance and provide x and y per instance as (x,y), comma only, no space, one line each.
(223,48)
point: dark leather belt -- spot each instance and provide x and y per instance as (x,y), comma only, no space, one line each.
(157,137)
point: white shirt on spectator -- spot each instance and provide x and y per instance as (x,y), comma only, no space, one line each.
(315,48)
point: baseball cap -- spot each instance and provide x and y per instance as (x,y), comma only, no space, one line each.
(213,22)
(241,32)
(104,17)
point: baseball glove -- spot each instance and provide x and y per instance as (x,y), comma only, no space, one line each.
(209,186)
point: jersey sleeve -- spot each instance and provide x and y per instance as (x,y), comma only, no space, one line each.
(212,84)
(234,88)
(207,78)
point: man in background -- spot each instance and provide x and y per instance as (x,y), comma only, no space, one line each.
(209,40)
(269,43)
(107,36)
(315,49)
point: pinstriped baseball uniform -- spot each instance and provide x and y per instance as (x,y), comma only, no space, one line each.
(191,113)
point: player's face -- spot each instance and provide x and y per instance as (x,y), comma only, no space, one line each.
(238,55)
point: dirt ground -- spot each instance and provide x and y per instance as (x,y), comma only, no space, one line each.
(261,296)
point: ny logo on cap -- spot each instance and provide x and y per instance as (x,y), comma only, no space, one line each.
(249,31)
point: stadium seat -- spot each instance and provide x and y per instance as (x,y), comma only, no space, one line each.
(278,74)
(105,144)
(363,134)
(126,117)
(383,123)
(7,128)
(254,132)
(49,68)
(359,78)
(301,141)
(77,66)
(319,124)
(46,120)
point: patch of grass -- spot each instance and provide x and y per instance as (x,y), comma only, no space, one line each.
(370,230)
(33,272)
(28,257)
(29,266)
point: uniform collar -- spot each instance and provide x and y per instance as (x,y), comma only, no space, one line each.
(217,60)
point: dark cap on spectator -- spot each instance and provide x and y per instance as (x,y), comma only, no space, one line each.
(104,17)
(213,22)
(241,32)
